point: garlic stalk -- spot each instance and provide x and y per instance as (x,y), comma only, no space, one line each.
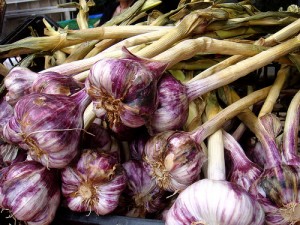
(214,200)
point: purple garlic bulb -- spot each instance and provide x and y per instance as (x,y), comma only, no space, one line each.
(126,89)
(215,202)
(172,111)
(95,183)
(30,192)
(18,83)
(175,160)
(21,81)
(55,83)
(48,126)
(142,188)
(8,151)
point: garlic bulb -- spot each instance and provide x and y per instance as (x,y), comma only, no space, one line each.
(8,151)
(215,202)
(48,126)
(173,108)
(147,196)
(55,83)
(18,83)
(126,88)
(95,183)
(21,81)
(30,192)
(175,160)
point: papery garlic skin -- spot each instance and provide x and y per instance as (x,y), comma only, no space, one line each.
(215,202)
(95,183)
(126,88)
(30,192)
(18,83)
(48,126)
(173,108)
(175,160)
(146,194)
(55,83)
(278,193)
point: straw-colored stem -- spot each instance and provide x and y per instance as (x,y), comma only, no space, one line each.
(81,51)
(137,40)
(101,46)
(127,14)
(242,68)
(73,37)
(212,125)
(188,48)
(283,34)
(186,26)
(78,66)
(88,116)
(273,95)
(215,145)
(200,64)
(278,37)
(81,76)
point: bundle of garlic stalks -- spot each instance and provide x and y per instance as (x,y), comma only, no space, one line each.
(170,116)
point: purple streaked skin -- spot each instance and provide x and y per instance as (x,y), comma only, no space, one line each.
(55,83)
(215,202)
(244,172)
(175,160)
(18,83)
(50,126)
(142,188)
(277,189)
(30,192)
(126,88)
(21,81)
(172,111)
(95,183)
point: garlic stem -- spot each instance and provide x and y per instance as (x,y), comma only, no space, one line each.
(273,158)
(112,52)
(186,49)
(273,95)
(226,114)
(73,37)
(278,37)
(216,160)
(186,26)
(240,69)
(290,132)
(88,116)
